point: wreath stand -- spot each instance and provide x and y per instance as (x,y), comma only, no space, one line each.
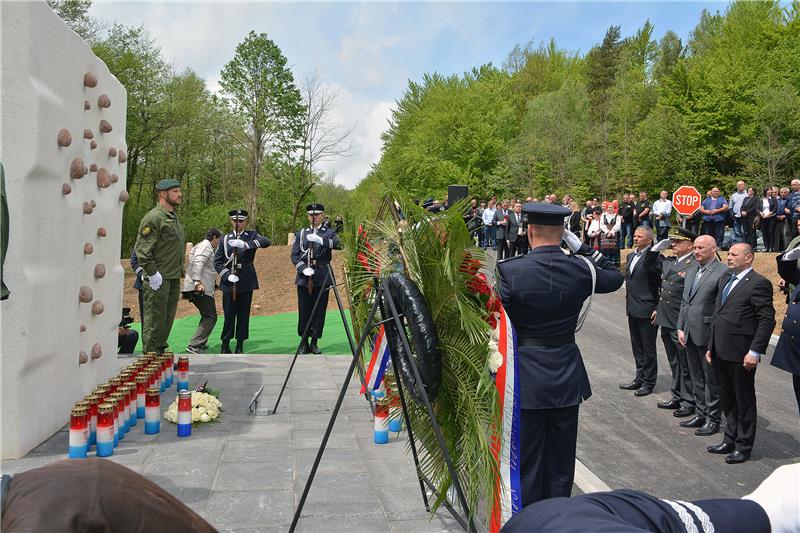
(384,300)
(255,411)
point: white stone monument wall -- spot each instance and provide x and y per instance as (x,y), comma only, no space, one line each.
(62,144)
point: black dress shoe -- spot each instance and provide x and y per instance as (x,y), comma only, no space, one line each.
(315,349)
(240,347)
(674,403)
(725,447)
(304,349)
(709,428)
(643,391)
(695,422)
(226,347)
(683,412)
(633,385)
(736,457)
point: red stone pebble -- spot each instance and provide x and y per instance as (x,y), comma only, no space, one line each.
(83,328)
(77,169)
(98,308)
(123,196)
(87,208)
(86,105)
(83,358)
(93,144)
(90,79)
(87,134)
(99,270)
(85,296)
(93,168)
(122,156)
(114,178)
(64,137)
(112,152)
(66,189)
(103,101)
(105,126)
(101,232)
(88,248)
(97,350)
(94,204)
(103,178)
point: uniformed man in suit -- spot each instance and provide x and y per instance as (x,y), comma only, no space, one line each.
(311,254)
(234,263)
(673,273)
(543,292)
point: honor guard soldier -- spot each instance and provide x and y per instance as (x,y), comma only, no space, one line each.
(673,275)
(311,255)
(159,248)
(543,292)
(234,262)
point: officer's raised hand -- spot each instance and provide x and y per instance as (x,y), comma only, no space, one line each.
(571,240)
(662,245)
(237,243)
(155,281)
(313,237)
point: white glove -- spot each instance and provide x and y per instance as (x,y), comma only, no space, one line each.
(233,278)
(572,241)
(779,496)
(155,281)
(662,245)
(308,271)
(792,254)
(313,237)
(237,243)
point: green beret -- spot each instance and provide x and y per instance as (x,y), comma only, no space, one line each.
(165,185)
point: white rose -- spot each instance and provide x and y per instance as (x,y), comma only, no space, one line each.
(195,416)
(204,417)
(495,361)
(213,413)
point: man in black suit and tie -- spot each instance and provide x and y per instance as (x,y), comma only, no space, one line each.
(642,283)
(501,217)
(694,322)
(744,318)
(517,232)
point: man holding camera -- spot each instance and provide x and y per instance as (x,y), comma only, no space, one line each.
(126,337)
(198,288)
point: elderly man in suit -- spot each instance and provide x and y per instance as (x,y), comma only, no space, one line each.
(694,322)
(744,318)
(642,282)
(517,232)
(673,274)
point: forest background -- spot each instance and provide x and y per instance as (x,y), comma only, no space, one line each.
(633,113)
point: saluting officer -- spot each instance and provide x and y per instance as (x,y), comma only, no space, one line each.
(311,255)
(234,263)
(673,275)
(543,292)
(160,249)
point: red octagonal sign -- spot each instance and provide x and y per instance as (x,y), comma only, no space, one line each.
(686,200)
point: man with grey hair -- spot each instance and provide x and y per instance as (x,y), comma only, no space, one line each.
(735,205)
(642,283)
(793,203)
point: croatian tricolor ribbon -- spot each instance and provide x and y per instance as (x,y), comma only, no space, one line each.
(377,363)
(506,445)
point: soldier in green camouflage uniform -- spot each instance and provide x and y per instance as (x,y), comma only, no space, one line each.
(160,248)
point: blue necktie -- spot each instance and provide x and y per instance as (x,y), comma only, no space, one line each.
(727,288)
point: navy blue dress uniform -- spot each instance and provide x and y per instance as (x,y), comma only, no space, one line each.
(787,352)
(237,296)
(316,256)
(628,511)
(673,276)
(543,292)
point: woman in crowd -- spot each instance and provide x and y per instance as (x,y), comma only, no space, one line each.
(751,207)
(574,221)
(610,223)
(769,208)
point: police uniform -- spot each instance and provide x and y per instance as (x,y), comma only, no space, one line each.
(159,247)
(235,261)
(787,351)
(314,256)
(673,274)
(543,292)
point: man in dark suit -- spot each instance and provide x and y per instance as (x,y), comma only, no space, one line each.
(517,232)
(501,218)
(744,318)
(642,282)
(694,319)
(543,293)
(673,274)
(787,352)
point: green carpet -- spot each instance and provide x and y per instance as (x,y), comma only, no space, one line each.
(274,334)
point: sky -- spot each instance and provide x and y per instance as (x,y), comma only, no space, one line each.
(369,51)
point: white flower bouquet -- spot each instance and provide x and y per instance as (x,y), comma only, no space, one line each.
(206,408)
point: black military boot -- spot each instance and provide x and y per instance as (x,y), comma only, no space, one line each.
(304,347)
(239,346)
(314,348)
(226,346)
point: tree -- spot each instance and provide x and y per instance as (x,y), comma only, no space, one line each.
(75,13)
(262,90)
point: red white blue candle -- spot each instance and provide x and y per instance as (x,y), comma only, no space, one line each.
(122,412)
(152,411)
(141,388)
(78,433)
(115,404)
(170,364)
(92,400)
(183,373)
(381,432)
(184,413)
(105,430)
(130,391)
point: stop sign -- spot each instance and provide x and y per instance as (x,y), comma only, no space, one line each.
(686,200)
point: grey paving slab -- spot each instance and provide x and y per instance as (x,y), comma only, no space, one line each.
(237,509)
(252,476)
(194,491)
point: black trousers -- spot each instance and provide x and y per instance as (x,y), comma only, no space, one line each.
(237,315)
(643,345)
(681,386)
(796,385)
(705,388)
(779,241)
(502,249)
(305,303)
(767,233)
(519,247)
(737,389)
(127,343)
(141,307)
(716,230)
(547,450)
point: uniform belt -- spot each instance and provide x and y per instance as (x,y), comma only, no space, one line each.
(547,342)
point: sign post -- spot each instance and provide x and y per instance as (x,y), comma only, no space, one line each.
(686,200)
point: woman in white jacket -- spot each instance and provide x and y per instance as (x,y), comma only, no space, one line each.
(606,230)
(199,285)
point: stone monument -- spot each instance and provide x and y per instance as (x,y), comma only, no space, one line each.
(62,145)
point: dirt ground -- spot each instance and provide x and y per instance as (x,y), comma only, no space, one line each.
(765,265)
(277,293)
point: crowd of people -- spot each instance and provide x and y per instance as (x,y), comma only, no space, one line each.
(224,262)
